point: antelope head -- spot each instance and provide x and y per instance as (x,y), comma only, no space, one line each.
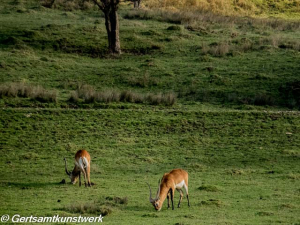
(156,201)
(72,174)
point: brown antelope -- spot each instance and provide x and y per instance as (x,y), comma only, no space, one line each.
(82,164)
(175,179)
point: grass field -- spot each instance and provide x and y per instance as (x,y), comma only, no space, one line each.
(215,95)
(246,164)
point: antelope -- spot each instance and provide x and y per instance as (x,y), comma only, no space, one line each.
(82,164)
(175,179)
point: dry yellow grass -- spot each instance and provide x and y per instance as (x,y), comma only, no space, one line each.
(228,7)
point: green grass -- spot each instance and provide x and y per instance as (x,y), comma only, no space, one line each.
(260,56)
(243,166)
(235,126)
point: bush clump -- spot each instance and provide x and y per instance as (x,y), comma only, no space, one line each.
(89,95)
(24,90)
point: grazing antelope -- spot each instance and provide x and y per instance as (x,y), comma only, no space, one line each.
(175,179)
(82,164)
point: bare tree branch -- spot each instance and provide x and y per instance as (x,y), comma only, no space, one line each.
(98,4)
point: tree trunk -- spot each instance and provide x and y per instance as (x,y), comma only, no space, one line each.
(108,28)
(114,46)
(136,3)
(112,28)
(110,8)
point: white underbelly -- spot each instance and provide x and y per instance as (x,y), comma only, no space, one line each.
(179,185)
(82,162)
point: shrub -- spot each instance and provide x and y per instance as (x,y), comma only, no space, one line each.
(215,49)
(86,92)
(219,50)
(21,89)
(126,96)
(204,48)
(141,14)
(89,95)
(107,96)
(44,95)
(168,99)
(154,99)
(74,97)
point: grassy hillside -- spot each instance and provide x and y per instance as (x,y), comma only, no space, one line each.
(284,8)
(232,61)
(215,95)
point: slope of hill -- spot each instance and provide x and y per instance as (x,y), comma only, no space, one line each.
(215,95)
(286,8)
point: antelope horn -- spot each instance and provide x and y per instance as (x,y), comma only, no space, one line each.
(66,167)
(150,198)
(158,191)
